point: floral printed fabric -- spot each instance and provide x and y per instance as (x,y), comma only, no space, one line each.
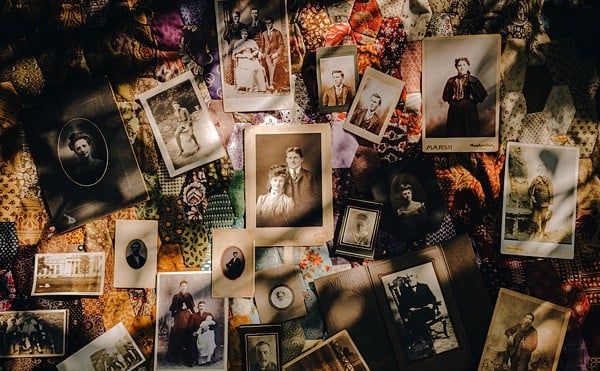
(391,43)
(314,23)
(365,21)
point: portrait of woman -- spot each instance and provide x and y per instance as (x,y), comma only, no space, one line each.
(249,73)
(274,208)
(462,93)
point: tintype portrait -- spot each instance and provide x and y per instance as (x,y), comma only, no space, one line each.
(84,160)
(191,329)
(375,102)
(232,263)
(412,200)
(261,347)
(35,333)
(278,294)
(540,188)
(136,250)
(420,312)
(525,333)
(255,58)
(460,97)
(288,177)
(184,131)
(337,77)
(356,233)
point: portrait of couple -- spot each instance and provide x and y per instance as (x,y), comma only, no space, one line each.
(293,196)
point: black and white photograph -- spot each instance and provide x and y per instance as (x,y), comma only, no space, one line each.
(288,184)
(525,333)
(191,328)
(410,193)
(255,57)
(356,232)
(183,128)
(461,84)
(420,312)
(33,333)
(336,353)
(136,251)
(261,347)
(232,263)
(337,77)
(113,350)
(375,102)
(83,157)
(540,195)
(68,274)
(279,296)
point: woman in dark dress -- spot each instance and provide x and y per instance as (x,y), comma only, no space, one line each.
(463,92)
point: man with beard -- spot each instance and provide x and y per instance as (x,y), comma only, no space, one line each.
(522,341)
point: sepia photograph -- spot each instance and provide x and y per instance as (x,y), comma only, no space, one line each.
(191,328)
(539,204)
(82,154)
(33,333)
(461,84)
(261,347)
(182,126)
(525,333)
(356,232)
(288,184)
(336,353)
(279,296)
(337,77)
(376,100)
(113,350)
(232,263)
(255,57)
(136,253)
(68,274)
(412,200)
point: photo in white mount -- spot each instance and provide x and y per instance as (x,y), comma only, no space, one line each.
(540,200)
(183,128)
(68,274)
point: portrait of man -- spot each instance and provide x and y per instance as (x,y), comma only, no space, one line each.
(136,254)
(541,194)
(522,341)
(235,266)
(339,93)
(88,169)
(184,130)
(264,357)
(256,26)
(304,189)
(274,51)
(367,117)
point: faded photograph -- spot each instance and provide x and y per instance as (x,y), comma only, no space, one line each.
(69,274)
(37,333)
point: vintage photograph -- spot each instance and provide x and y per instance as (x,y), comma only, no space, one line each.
(113,350)
(261,347)
(83,157)
(68,274)
(232,263)
(337,77)
(375,102)
(34,333)
(356,233)
(191,328)
(420,312)
(255,57)
(288,184)
(461,82)
(540,195)
(337,353)
(279,296)
(525,333)
(412,201)
(182,126)
(136,251)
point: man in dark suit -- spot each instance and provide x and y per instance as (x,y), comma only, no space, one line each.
(304,189)
(234,267)
(522,341)
(339,93)
(263,355)
(273,50)
(367,118)
(136,260)
(256,27)
(417,306)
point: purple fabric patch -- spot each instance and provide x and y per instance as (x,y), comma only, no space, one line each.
(167,28)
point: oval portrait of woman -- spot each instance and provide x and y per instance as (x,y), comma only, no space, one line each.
(82,152)
(232,262)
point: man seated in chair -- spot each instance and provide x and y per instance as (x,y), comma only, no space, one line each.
(418,305)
